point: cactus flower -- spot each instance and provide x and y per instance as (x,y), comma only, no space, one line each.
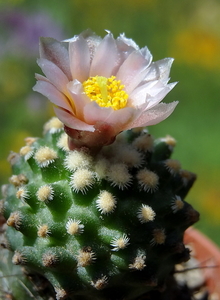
(100,87)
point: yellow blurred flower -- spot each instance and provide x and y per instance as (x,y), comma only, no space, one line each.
(197,47)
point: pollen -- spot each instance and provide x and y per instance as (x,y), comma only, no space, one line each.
(85,257)
(120,243)
(81,180)
(100,283)
(146,214)
(45,156)
(74,227)
(106,202)
(26,152)
(159,237)
(43,231)
(106,92)
(63,142)
(148,180)
(119,176)
(172,165)
(22,193)
(77,159)
(53,125)
(139,263)
(45,193)
(177,204)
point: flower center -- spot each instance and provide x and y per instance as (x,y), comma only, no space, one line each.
(107,92)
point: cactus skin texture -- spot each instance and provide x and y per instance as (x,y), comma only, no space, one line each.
(108,226)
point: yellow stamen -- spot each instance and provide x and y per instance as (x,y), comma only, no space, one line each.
(107,92)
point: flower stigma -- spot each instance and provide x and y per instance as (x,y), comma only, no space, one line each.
(106,92)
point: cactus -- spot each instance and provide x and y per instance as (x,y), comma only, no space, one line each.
(95,208)
(107,226)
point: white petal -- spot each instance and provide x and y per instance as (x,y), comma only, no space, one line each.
(154,115)
(117,118)
(139,95)
(125,48)
(147,54)
(164,66)
(105,57)
(56,97)
(56,52)
(79,97)
(41,77)
(71,121)
(94,113)
(126,44)
(54,74)
(79,59)
(120,118)
(159,70)
(150,93)
(133,70)
(152,101)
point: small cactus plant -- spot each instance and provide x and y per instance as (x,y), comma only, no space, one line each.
(108,226)
(93,213)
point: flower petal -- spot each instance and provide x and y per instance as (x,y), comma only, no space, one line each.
(133,70)
(80,99)
(56,52)
(105,57)
(120,118)
(150,93)
(94,113)
(117,118)
(54,74)
(56,97)
(79,58)
(153,116)
(71,121)
(154,100)
(125,44)
(159,70)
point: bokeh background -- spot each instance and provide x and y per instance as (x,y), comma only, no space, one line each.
(187,30)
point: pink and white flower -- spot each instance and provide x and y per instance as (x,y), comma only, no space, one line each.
(100,87)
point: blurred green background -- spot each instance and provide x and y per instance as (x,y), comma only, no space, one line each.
(187,30)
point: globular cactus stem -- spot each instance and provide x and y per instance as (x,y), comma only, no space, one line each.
(104,226)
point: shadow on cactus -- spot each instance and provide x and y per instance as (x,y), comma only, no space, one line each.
(95,208)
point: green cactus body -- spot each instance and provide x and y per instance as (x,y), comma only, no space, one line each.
(107,226)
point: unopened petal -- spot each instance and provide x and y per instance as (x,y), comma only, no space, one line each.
(79,59)
(105,57)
